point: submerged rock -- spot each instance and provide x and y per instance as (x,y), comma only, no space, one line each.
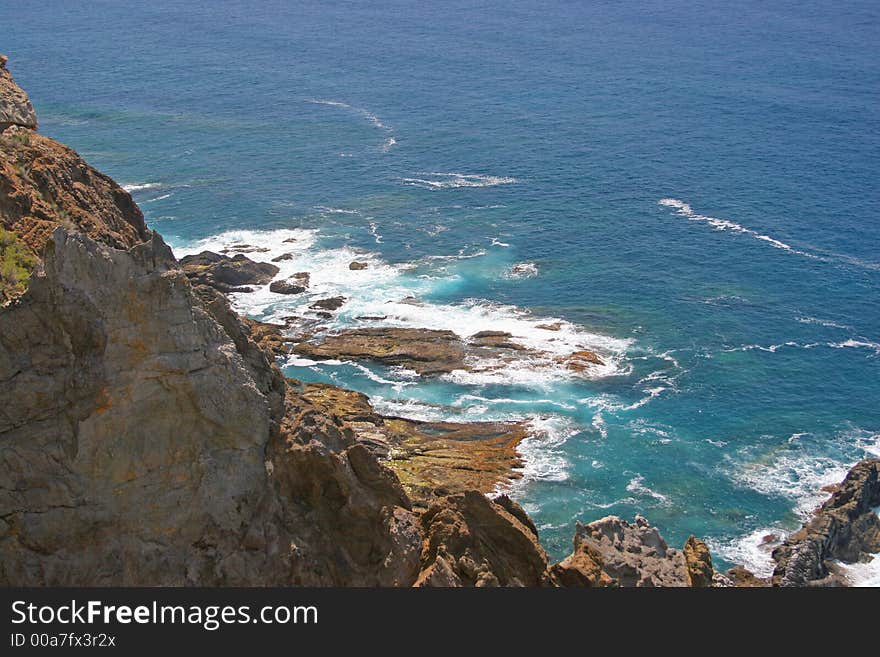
(227,274)
(844,528)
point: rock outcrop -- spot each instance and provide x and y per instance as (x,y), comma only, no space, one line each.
(227,274)
(473,541)
(15,106)
(845,528)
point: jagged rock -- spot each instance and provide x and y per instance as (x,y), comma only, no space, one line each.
(15,106)
(555,326)
(333,303)
(286,287)
(357,266)
(844,528)
(699,562)
(426,351)
(581,569)
(472,541)
(630,554)
(227,274)
(283,257)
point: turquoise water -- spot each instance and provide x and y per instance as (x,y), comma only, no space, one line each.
(691,187)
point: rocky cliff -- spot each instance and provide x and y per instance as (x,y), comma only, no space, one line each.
(148,438)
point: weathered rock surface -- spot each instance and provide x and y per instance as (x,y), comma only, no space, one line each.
(227,274)
(15,106)
(844,528)
(698,561)
(426,351)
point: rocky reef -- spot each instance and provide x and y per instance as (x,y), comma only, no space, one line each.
(147,436)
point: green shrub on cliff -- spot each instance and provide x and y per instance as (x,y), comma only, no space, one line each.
(16,264)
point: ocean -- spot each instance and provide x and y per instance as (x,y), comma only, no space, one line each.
(688,188)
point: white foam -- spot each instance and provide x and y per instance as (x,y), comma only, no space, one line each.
(540,450)
(684,210)
(522,270)
(751,551)
(136,187)
(454,180)
(823,322)
(850,343)
(158,198)
(637,486)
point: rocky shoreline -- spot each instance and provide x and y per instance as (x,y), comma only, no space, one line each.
(148,436)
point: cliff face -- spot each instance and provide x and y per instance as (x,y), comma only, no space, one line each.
(145,438)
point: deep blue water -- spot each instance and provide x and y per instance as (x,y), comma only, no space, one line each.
(739,318)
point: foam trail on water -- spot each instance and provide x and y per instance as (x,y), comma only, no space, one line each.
(389,142)
(684,210)
(455,180)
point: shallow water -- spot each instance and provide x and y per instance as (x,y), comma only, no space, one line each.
(691,186)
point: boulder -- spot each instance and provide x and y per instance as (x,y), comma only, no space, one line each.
(357,266)
(286,287)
